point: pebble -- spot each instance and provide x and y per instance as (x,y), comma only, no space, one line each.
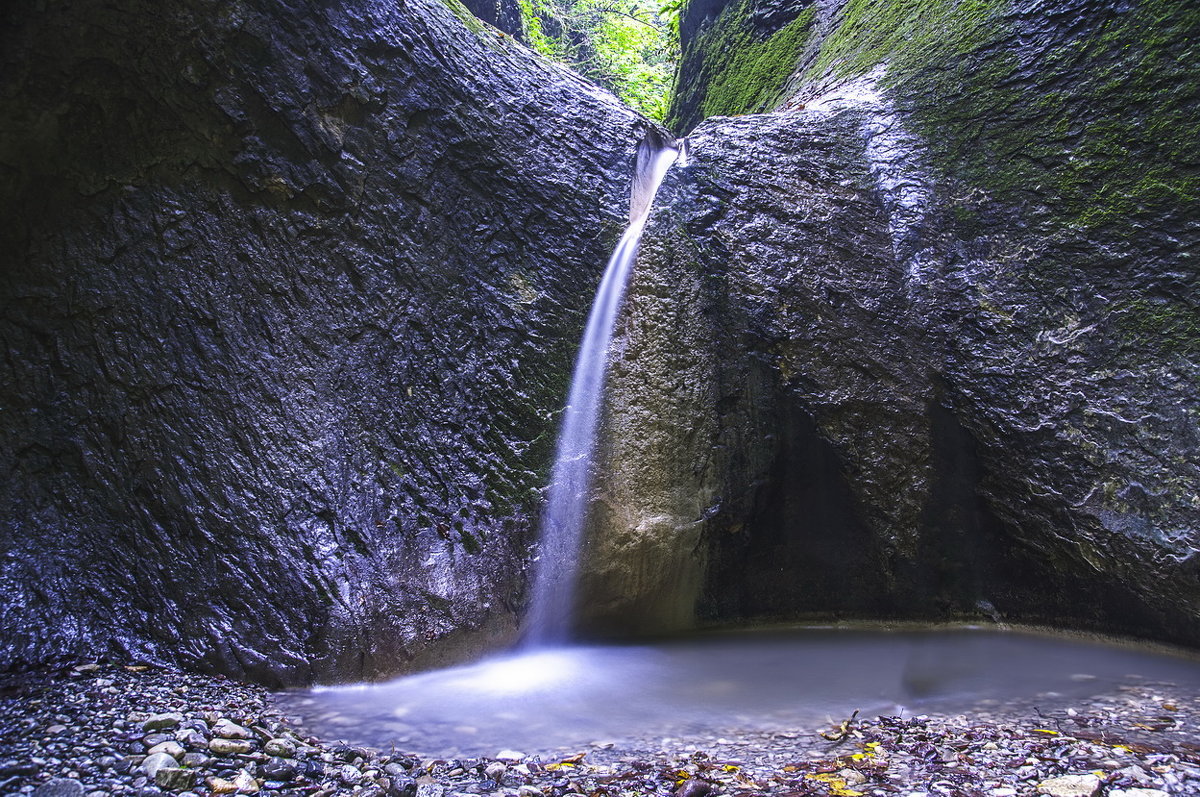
(282,748)
(509,755)
(245,783)
(152,739)
(191,738)
(221,786)
(227,729)
(1070,786)
(153,763)
(230,746)
(59,787)
(171,748)
(349,775)
(158,722)
(196,760)
(174,778)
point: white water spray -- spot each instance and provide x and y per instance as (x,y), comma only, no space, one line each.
(552,608)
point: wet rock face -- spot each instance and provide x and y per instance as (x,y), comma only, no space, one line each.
(956,297)
(289,304)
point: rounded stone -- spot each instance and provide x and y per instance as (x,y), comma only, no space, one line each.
(283,748)
(171,748)
(160,722)
(59,787)
(157,761)
(230,746)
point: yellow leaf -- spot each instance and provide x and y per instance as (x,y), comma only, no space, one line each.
(1044,730)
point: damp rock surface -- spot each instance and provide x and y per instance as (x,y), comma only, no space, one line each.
(288,302)
(946,328)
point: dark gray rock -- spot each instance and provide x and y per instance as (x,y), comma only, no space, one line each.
(288,303)
(925,340)
(174,778)
(403,786)
(157,761)
(504,15)
(59,787)
(283,769)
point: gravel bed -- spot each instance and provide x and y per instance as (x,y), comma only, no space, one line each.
(99,729)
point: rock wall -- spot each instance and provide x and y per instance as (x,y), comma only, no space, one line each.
(954,281)
(288,303)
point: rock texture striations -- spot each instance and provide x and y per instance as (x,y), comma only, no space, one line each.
(925,340)
(288,303)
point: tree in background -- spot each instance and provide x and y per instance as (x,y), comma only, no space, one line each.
(628,46)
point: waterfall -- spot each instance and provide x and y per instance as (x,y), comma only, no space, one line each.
(563,520)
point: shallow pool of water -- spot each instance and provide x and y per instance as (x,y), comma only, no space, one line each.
(550,700)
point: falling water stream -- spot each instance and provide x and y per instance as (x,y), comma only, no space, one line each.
(549,618)
(548,696)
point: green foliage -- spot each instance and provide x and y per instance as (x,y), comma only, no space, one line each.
(627,46)
(532,13)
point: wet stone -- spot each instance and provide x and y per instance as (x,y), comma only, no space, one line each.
(230,746)
(282,769)
(171,748)
(282,748)
(162,721)
(245,783)
(349,775)
(226,729)
(174,778)
(196,760)
(191,738)
(157,761)
(403,786)
(1070,786)
(59,787)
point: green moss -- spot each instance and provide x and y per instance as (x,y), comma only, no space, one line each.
(473,23)
(736,70)
(909,34)
(1167,326)
(750,74)
(1104,127)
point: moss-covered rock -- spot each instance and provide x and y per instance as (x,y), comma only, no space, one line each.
(1033,275)
(733,66)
